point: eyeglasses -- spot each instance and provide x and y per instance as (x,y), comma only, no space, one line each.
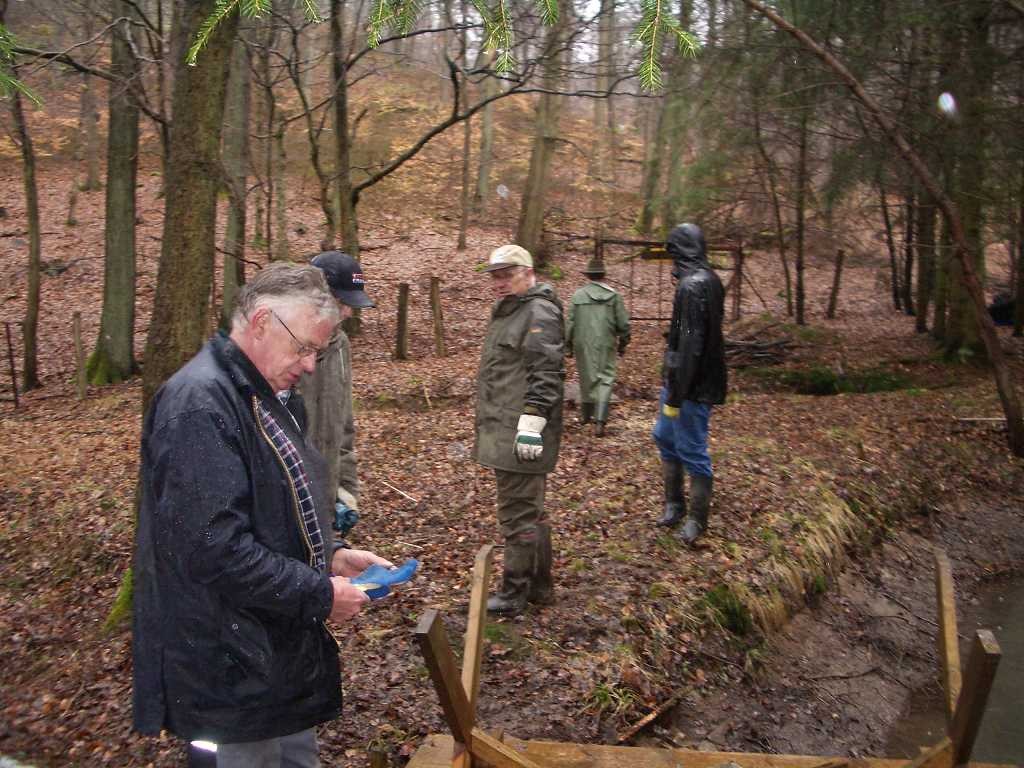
(303,349)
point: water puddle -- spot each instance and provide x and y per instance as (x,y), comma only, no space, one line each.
(1001,739)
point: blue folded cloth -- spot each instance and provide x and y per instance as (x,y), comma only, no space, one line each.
(377,580)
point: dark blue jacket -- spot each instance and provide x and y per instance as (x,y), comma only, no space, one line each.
(694,365)
(229,641)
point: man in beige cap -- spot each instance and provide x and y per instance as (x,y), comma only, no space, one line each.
(519,420)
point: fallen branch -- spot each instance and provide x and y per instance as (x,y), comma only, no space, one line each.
(850,676)
(399,490)
(653,715)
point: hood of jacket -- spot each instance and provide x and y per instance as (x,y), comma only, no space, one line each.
(686,245)
(596,292)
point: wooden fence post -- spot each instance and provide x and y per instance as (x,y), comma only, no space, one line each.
(970,706)
(833,298)
(949,649)
(402,336)
(76,330)
(737,282)
(435,308)
(10,362)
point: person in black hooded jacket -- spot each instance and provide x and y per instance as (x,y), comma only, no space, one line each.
(694,379)
(235,571)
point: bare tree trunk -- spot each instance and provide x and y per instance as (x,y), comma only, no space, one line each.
(182,301)
(235,154)
(483,176)
(1003,376)
(267,118)
(890,242)
(530,233)
(909,232)
(344,201)
(89,116)
(467,139)
(926,214)
(770,182)
(801,197)
(113,360)
(833,297)
(280,173)
(90,125)
(943,264)
(602,152)
(653,151)
(30,375)
(1018,307)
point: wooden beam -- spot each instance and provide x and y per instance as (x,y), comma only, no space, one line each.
(433,644)
(498,753)
(436,752)
(949,649)
(970,707)
(473,652)
(939,756)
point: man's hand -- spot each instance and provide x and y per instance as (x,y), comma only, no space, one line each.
(622,346)
(352,562)
(529,443)
(670,411)
(348,600)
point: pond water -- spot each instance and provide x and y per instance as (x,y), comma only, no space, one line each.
(1001,738)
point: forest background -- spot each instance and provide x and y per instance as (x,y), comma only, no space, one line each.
(140,190)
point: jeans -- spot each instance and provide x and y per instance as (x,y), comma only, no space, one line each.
(685,438)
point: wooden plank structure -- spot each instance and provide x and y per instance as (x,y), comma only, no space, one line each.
(469,744)
(654,251)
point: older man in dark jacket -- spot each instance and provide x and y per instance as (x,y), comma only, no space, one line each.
(519,420)
(694,380)
(234,558)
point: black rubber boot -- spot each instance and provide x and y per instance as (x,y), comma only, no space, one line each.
(675,503)
(600,416)
(700,502)
(542,589)
(516,579)
(586,412)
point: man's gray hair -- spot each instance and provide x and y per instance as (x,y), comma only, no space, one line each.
(282,284)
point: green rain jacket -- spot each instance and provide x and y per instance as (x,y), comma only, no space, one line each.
(597,315)
(521,371)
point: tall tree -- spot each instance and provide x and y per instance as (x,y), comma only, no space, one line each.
(348,232)
(181,304)
(30,372)
(530,232)
(235,154)
(113,359)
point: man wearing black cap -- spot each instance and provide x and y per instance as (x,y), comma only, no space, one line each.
(328,389)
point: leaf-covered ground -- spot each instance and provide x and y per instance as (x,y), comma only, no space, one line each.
(819,499)
(803,484)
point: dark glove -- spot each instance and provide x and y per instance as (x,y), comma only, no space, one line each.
(345,518)
(622,346)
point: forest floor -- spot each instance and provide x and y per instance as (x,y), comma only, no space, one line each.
(832,502)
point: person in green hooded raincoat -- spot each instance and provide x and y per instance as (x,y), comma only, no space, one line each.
(596,328)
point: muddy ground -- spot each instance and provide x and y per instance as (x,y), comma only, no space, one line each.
(840,677)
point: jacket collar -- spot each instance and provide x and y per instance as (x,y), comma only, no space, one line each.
(239,367)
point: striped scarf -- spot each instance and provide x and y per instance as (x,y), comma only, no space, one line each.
(297,474)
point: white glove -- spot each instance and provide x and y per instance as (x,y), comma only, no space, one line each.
(529,443)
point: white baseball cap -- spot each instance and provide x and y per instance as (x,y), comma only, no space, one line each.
(508,256)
